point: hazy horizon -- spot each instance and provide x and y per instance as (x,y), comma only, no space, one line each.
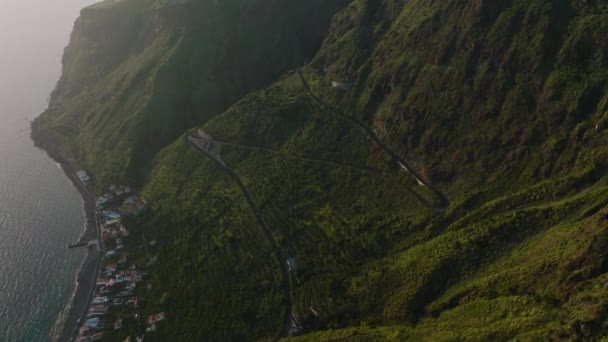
(33,35)
(40,211)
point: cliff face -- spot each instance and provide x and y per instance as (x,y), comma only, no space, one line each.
(500,106)
(138,73)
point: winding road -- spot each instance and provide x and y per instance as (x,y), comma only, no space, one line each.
(444,202)
(305,159)
(199,144)
(373,172)
(285,279)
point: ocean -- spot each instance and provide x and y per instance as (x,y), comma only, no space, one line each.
(40,211)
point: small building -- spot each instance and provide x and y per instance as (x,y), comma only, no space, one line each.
(96,337)
(83,333)
(118,324)
(100,300)
(123,231)
(101,282)
(291,264)
(83,177)
(342,85)
(109,224)
(111,215)
(104,289)
(93,323)
(156,318)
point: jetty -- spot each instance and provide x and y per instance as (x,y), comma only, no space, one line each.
(84,244)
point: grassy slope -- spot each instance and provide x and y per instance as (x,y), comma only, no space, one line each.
(139,73)
(495,104)
(503,106)
(312,206)
(366,251)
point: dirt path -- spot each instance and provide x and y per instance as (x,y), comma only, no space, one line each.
(445,202)
(373,172)
(310,160)
(285,279)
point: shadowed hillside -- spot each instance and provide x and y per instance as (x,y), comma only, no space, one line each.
(138,73)
(500,109)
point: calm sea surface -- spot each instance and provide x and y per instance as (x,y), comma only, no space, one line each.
(40,211)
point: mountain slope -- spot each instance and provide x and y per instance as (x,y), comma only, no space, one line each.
(139,73)
(501,108)
(495,104)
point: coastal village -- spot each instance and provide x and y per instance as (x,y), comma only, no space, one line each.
(115,307)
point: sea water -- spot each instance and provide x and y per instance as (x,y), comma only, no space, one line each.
(40,211)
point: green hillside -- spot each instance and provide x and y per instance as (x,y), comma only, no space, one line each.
(500,107)
(139,73)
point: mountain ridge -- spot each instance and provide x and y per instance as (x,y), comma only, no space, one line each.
(502,107)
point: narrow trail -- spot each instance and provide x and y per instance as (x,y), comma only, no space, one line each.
(373,172)
(310,160)
(445,202)
(286,282)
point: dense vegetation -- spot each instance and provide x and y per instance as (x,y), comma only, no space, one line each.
(502,105)
(138,73)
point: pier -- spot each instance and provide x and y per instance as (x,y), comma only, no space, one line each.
(85,244)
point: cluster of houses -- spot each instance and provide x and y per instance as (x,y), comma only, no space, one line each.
(117,280)
(115,193)
(153,319)
(112,230)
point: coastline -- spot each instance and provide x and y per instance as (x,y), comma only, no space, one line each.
(87,275)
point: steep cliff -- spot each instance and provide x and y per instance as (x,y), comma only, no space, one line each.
(138,73)
(497,109)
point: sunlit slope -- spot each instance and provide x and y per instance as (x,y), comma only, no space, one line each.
(332,205)
(498,107)
(367,250)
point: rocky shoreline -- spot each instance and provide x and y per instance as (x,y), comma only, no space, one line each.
(87,274)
